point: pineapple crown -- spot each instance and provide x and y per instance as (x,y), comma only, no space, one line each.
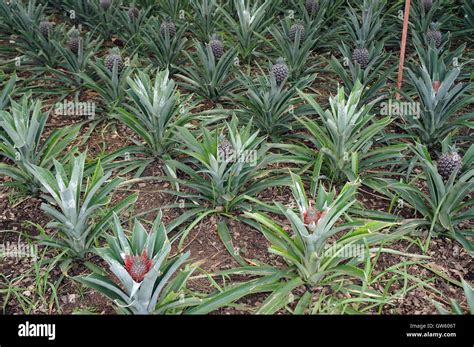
(222,137)
(114,51)
(449,149)
(75,33)
(435,26)
(215,37)
(298,24)
(280,61)
(361,44)
(168,20)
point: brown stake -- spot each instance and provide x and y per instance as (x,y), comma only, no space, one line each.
(403,47)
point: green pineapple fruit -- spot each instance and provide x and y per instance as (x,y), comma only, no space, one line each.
(168,26)
(280,71)
(114,57)
(434,35)
(45,28)
(312,6)
(74,40)
(427,4)
(133,13)
(105,4)
(360,55)
(448,163)
(217,47)
(294,29)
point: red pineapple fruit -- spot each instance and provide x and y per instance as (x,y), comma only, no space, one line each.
(312,215)
(138,266)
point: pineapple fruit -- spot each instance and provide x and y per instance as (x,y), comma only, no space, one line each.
(280,71)
(427,4)
(138,266)
(45,28)
(105,4)
(74,40)
(133,13)
(434,35)
(114,57)
(295,28)
(312,6)
(217,47)
(360,55)
(448,163)
(168,26)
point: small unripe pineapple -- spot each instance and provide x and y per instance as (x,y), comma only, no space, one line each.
(217,47)
(434,35)
(114,57)
(105,4)
(74,40)
(133,13)
(448,163)
(45,28)
(427,4)
(361,57)
(169,27)
(436,85)
(312,6)
(280,71)
(295,28)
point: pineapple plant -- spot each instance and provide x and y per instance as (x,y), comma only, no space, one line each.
(153,113)
(74,41)
(444,205)
(164,50)
(272,108)
(449,162)
(114,59)
(297,30)
(344,137)
(222,184)
(296,53)
(308,250)
(312,6)
(436,118)
(168,28)
(434,36)
(24,142)
(207,76)
(217,47)
(77,199)
(280,71)
(150,280)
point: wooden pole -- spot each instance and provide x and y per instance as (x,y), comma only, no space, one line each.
(406,16)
